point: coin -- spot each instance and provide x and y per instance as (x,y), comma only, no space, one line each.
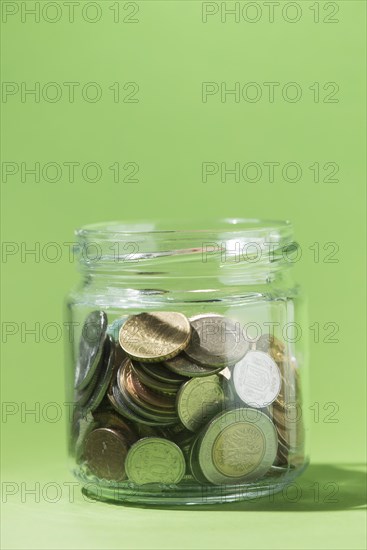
(81,397)
(155,336)
(90,348)
(183,366)
(184,439)
(144,430)
(278,415)
(104,377)
(194,466)
(123,406)
(162,373)
(133,392)
(154,400)
(105,451)
(155,460)
(82,425)
(281,460)
(127,402)
(257,379)
(114,328)
(237,446)
(216,341)
(199,400)
(158,386)
(132,400)
(108,419)
(271,345)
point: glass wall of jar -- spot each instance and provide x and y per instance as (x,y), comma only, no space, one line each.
(186,362)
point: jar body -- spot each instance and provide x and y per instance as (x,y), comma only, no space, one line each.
(226,429)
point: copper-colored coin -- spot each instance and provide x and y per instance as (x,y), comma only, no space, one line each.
(124,406)
(156,385)
(109,419)
(129,379)
(286,436)
(136,403)
(155,336)
(281,458)
(278,417)
(105,451)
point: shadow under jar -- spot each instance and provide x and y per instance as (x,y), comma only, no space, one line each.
(186,367)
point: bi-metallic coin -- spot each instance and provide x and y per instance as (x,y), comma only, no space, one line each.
(237,446)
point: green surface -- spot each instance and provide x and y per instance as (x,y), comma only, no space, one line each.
(169,133)
(321,510)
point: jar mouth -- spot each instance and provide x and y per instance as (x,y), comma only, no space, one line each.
(222,226)
(230,249)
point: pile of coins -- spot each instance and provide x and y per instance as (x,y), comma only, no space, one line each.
(161,398)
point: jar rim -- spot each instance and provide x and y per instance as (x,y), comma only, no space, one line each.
(237,249)
(182,227)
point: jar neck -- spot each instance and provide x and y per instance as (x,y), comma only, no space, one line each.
(251,255)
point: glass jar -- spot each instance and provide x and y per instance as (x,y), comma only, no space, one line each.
(187,362)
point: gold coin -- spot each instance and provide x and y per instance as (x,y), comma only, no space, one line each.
(153,337)
(199,400)
(155,460)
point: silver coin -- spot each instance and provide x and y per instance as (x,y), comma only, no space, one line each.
(105,376)
(83,425)
(90,348)
(162,374)
(137,407)
(184,366)
(114,328)
(257,379)
(216,341)
(81,397)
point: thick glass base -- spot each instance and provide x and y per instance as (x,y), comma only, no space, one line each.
(188,491)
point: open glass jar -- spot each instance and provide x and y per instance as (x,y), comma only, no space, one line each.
(186,367)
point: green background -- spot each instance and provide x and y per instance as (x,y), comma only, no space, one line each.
(169,52)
